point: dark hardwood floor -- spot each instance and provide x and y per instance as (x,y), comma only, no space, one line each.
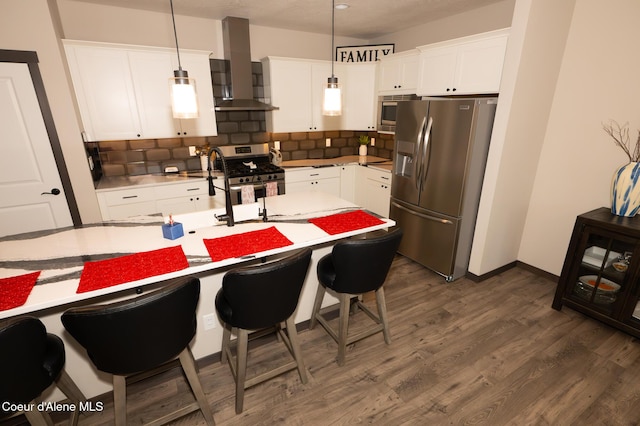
(491,353)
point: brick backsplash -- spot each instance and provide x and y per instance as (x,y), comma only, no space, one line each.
(137,157)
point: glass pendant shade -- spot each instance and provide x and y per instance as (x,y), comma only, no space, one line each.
(184,100)
(332,98)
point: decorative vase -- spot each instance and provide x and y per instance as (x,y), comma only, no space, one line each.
(625,190)
(362,150)
(204,162)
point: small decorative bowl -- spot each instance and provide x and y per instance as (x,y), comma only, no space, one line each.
(620,266)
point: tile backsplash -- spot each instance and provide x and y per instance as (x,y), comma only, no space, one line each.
(137,157)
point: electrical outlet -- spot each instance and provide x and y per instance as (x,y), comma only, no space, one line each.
(327,142)
(192,151)
(276,144)
(209,321)
(373,141)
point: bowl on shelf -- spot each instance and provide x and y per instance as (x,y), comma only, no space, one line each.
(620,265)
(606,293)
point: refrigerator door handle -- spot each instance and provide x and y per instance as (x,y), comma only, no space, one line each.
(423,216)
(425,145)
(416,175)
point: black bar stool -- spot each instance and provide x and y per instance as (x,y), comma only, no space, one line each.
(353,268)
(257,298)
(140,334)
(31,360)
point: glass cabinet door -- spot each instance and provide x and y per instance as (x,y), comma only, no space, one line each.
(601,279)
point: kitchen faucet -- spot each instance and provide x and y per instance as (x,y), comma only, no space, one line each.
(228,217)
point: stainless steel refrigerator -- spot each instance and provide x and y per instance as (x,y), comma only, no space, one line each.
(441,148)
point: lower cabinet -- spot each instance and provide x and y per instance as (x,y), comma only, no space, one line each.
(374,190)
(173,198)
(325,179)
(601,270)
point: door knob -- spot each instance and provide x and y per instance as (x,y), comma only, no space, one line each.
(54,191)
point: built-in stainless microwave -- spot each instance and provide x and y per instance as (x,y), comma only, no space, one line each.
(387,111)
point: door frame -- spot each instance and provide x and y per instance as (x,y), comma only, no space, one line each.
(31,59)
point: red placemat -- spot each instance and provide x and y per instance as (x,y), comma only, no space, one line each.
(345,222)
(246,243)
(15,290)
(132,267)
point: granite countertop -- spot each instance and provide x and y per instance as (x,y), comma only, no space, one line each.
(117,182)
(371,161)
(114,182)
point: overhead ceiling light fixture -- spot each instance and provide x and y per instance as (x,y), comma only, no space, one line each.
(332,99)
(184,100)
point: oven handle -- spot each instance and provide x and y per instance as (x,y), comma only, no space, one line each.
(255,185)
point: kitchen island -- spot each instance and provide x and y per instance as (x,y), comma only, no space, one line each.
(61,254)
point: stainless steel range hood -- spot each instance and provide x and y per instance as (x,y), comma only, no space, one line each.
(237,51)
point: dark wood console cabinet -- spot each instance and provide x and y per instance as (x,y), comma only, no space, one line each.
(590,283)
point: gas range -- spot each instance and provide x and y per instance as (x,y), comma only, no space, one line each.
(250,165)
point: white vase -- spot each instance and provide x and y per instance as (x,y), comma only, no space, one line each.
(625,190)
(204,162)
(362,150)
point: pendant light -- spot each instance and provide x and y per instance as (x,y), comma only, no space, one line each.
(332,99)
(184,100)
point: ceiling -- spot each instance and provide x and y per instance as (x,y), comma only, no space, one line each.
(364,19)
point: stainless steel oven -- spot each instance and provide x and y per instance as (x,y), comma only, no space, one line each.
(387,106)
(259,189)
(250,165)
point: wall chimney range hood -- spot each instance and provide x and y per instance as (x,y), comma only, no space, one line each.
(237,50)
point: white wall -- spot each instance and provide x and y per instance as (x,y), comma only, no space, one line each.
(598,81)
(487,18)
(533,60)
(27,25)
(86,21)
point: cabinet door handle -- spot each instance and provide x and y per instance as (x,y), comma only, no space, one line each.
(384,177)
(129,196)
(192,189)
(314,174)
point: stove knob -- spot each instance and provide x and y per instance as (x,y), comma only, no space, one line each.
(259,177)
(269,177)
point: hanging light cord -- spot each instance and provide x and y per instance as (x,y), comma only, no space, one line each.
(333,12)
(175,34)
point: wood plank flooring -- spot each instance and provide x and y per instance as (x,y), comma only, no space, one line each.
(463,353)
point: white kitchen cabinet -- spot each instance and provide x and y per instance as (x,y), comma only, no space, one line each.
(295,86)
(127,202)
(325,179)
(469,65)
(169,198)
(359,98)
(105,92)
(348,182)
(373,190)
(186,198)
(123,91)
(398,73)
(151,71)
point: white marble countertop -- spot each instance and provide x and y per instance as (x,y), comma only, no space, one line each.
(60,254)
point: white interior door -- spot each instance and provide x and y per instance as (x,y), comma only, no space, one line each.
(29,176)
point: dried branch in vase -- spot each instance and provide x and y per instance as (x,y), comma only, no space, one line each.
(620,134)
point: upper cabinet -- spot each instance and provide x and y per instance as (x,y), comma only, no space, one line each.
(123,91)
(359,103)
(398,73)
(295,87)
(468,65)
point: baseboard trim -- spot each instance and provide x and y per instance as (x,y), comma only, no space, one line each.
(514,264)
